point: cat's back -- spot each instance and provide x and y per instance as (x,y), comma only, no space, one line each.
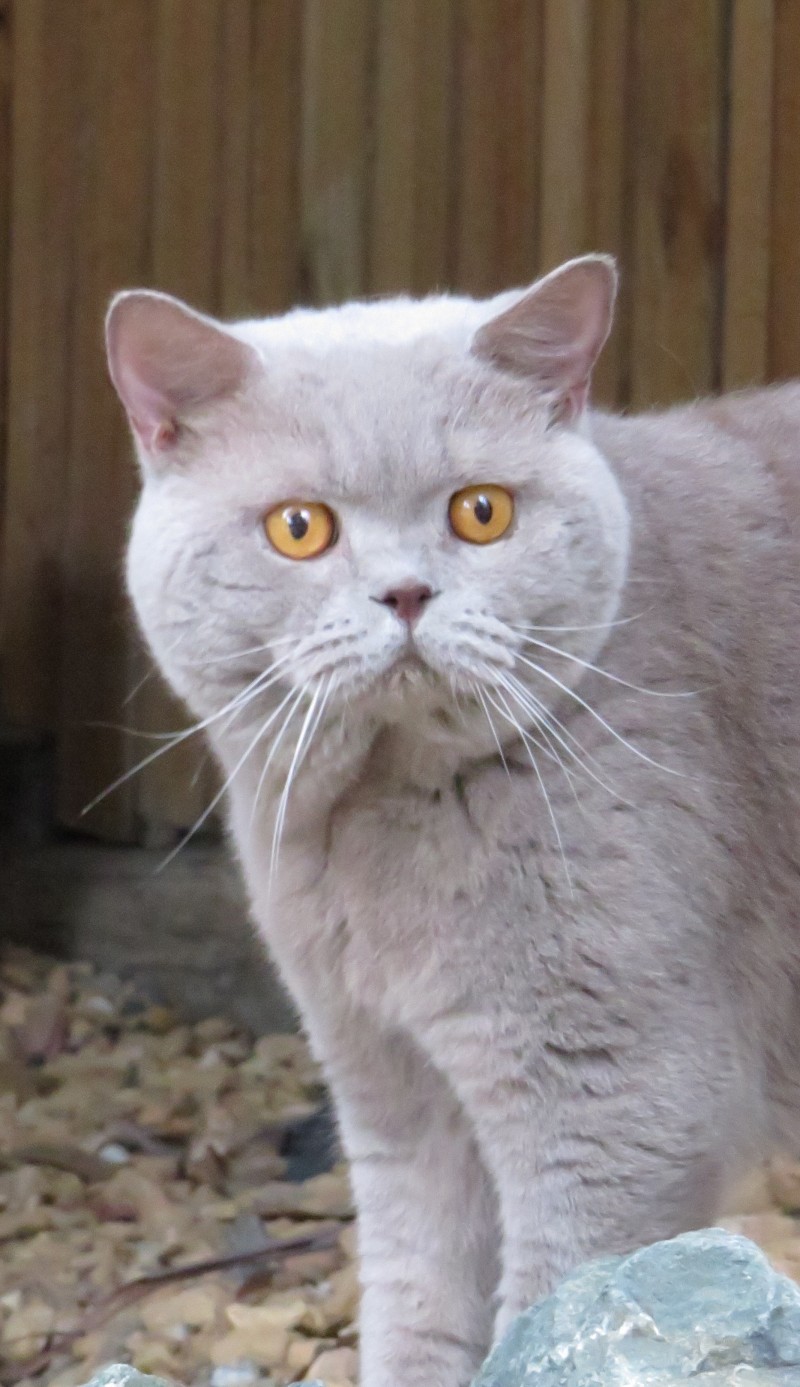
(713,490)
(714,495)
(739,451)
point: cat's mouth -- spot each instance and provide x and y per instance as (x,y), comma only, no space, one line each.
(408,671)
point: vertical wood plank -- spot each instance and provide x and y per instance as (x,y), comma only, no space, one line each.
(274,170)
(784,318)
(410,212)
(5,230)
(338,48)
(748,190)
(235,173)
(44,66)
(392,225)
(499,76)
(110,223)
(186,184)
(608,175)
(676,114)
(563,187)
(435,95)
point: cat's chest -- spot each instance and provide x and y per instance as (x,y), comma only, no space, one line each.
(415,888)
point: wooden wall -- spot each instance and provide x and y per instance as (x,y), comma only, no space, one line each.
(247,154)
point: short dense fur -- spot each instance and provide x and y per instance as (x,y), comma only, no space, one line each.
(553,987)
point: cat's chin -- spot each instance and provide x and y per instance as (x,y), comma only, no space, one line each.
(423,705)
(407,674)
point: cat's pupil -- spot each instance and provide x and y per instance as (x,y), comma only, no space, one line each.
(483,510)
(298,525)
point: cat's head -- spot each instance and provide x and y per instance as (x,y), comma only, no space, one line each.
(370,503)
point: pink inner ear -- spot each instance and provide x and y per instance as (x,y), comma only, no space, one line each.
(150,411)
(555,332)
(165,360)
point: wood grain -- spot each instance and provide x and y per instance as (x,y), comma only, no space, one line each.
(784,319)
(274,248)
(608,175)
(110,216)
(676,116)
(5,226)
(564,182)
(499,54)
(409,226)
(338,48)
(44,74)
(748,191)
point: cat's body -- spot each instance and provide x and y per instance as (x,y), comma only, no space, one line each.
(556,1002)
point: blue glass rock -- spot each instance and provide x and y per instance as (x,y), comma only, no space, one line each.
(705,1306)
(123,1375)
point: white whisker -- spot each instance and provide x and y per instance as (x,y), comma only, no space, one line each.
(237,655)
(138,686)
(615,678)
(544,718)
(310,723)
(552,751)
(481,698)
(152,671)
(209,809)
(253,690)
(297,695)
(597,626)
(668,770)
(527,742)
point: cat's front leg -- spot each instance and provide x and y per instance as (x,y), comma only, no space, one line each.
(591,1153)
(427,1228)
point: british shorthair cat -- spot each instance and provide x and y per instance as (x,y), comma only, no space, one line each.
(506,696)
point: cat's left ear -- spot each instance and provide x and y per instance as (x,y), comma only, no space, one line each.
(555,332)
(167,361)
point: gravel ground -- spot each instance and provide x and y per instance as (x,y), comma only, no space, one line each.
(136,1153)
(148,1210)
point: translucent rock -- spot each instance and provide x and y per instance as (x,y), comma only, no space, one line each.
(123,1375)
(706,1306)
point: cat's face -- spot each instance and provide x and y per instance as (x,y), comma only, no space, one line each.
(345,511)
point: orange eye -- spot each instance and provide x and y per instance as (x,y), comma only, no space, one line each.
(300,529)
(481,514)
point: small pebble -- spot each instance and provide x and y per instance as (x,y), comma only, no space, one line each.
(114,1152)
(235,1374)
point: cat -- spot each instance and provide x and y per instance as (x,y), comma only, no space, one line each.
(506,694)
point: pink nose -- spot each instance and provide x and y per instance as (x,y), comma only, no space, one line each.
(408,602)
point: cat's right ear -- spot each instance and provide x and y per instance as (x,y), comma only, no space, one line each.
(554,333)
(166,360)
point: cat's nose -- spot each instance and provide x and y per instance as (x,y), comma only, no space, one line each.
(407,602)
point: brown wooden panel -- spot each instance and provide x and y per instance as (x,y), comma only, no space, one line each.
(110,211)
(608,177)
(235,173)
(274,265)
(40,293)
(564,186)
(748,190)
(259,187)
(186,182)
(498,188)
(784,318)
(5,227)
(411,190)
(338,49)
(676,118)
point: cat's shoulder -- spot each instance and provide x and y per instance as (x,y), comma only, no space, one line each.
(748,413)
